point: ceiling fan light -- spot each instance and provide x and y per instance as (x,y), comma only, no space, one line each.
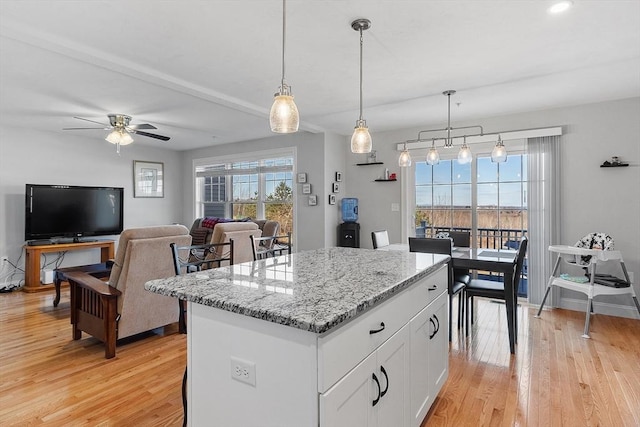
(284,116)
(119,136)
(361,139)
(499,153)
(433,157)
(125,138)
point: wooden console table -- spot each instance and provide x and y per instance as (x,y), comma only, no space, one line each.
(33,253)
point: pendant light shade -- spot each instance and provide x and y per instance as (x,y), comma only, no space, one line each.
(499,153)
(284,117)
(464,155)
(361,139)
(433,157)
(404,161)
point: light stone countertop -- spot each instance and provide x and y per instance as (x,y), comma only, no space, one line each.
(312,290)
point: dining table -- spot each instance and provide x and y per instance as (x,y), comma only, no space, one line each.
(485,259)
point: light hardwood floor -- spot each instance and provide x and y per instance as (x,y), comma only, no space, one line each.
(556,377)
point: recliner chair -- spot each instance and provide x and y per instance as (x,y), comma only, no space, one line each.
(122,307)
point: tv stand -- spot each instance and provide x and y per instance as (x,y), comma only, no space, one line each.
(33,254)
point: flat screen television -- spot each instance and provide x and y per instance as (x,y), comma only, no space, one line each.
(65,211)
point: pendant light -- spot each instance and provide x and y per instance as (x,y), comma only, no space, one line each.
(464,155)
(284,117)
(361,139)
(499,153)
(433,157)
(404,161)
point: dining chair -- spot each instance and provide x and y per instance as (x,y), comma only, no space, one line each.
(189,259)
(461,239)
(263,247)
(442,246)
(380,238)
(494,289)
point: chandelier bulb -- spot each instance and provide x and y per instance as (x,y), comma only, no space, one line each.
(464,155)
(433,157)
(404,161)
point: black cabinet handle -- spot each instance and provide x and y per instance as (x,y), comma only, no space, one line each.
(433,288)
(375,331)
(387,379)
(434,328)
(437,327)
(377,399)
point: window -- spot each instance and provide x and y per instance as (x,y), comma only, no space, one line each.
(493,206)
(239,189)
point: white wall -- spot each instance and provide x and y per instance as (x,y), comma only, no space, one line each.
(309,224)
(594,198)
(336,148)
(29,156)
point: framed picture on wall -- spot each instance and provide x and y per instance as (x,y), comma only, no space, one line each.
(148,179)
(338,176)
(313,200)
(332,199)
(302,177)
(336,187)
(306,188)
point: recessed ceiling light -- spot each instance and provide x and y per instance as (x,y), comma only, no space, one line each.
(560,7)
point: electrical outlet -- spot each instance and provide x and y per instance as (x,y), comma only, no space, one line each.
(243,371)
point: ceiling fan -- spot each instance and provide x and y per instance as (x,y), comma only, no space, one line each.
(121,129)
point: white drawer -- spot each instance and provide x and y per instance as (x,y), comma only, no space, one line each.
(341,350)
(435,285)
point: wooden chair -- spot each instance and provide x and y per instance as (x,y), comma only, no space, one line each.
(380,239)
(122,307)
(188,259)
(494,289)
(263,247)
(442,246)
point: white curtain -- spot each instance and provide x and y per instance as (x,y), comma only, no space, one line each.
(544,213)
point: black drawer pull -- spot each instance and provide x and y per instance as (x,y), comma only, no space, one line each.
(434,288)
(377,399)
(375,331)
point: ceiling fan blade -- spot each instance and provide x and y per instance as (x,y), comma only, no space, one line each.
(92,121)
(142,126)
(84,128)
(151,135)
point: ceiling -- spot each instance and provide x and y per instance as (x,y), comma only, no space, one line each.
(204,72)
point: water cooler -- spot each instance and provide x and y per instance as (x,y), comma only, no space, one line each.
(349,230)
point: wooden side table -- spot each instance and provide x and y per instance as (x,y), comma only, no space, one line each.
(33,254)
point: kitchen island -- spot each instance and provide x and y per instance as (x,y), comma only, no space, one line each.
(330,337)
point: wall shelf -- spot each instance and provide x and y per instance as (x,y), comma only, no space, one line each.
(385,180)
(369,164)
(611,165)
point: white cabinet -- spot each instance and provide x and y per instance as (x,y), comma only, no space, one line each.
(429,361)
(383,368)
(374,393)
